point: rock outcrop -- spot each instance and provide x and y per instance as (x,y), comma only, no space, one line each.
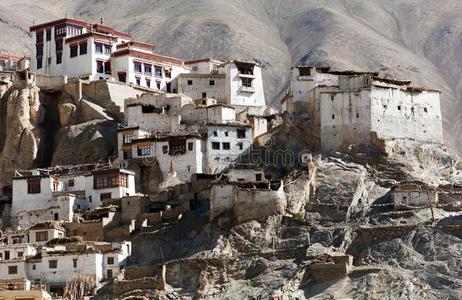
(21,131)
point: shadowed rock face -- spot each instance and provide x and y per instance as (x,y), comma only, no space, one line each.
(416,39)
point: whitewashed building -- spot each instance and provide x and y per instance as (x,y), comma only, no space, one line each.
(9,63)
(54,194)
(360,108)
(236,82)
(97,51)
(213,148)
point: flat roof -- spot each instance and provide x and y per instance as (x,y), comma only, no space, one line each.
(58,22)
(148,56)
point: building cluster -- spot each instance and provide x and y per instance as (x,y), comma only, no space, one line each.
(37,257)
(191,128)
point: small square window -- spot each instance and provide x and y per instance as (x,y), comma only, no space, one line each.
(204,95)
(12,270)
(190,82)
(212,82)
(241,134)
(164,149)
(74,50)
(110,260)
(215,146)
(226,133)
(53,264)
(258,177)
(241,146)
(190,146)
(226,146)
(215,133)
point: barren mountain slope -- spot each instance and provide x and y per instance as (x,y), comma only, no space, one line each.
(417,39)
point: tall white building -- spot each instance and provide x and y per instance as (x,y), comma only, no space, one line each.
(96,51)
(47,195)
(360,108)
(236,82)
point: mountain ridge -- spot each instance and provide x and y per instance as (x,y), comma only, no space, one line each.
(417,39)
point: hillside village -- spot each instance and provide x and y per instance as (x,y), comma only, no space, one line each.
(188,140)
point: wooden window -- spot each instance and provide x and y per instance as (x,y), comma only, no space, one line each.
(105,196)
(59,58)
(245,69)
(39,50)
(39,62)
(158,71)
(110,260)
(144,150)
(241,134)
(127,138)
(39,37)
(107,49)
(258,177)
(99,66)
(20,254)
(190,82)
(109,274)
(137,66)
(204,95)
(53,264)
(107,67)
(33,186)
(99,48)
(215,146)
(59,45)
(304,71)
(147,69)
(12,270)
(74,50)
(83,48)
(41,236)
(48,35)
(122,76)
(247,82)
(226,146)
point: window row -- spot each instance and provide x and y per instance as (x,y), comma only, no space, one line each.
(211,82)
(240,133)
(103,67)
(74,49)
(148,68)
(147,150)
(109,181)
(225,146)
